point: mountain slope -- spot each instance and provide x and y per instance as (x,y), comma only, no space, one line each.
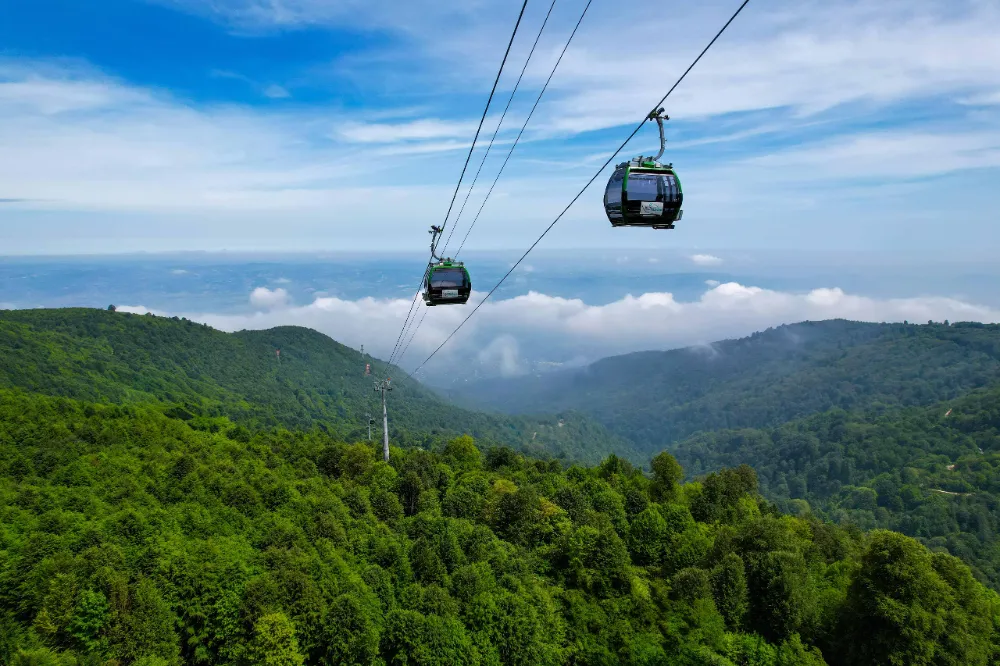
(124,358)
(929,472)
(655,398)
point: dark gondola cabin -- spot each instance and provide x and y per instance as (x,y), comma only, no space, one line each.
(447,283)
(644,194)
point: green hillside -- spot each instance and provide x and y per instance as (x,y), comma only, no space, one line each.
(128,359)
(129,537)
(930,472)
(655,398)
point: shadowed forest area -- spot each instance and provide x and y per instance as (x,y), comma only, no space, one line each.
(657,398)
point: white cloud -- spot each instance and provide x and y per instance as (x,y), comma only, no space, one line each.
(502,355)
(426,128)
(894,154)
(76,140)
(712,283)
(799,54)
(274,91)
(262,15)
(772,132)
(262,297)
(513,335)
(54,88)
(805,56)
(706,259)
(179,271)
(282,280)
(101,144)
(986,99)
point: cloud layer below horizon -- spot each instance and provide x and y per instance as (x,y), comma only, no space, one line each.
(524,333)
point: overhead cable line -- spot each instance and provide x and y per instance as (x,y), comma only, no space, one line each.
(399,358)
(584,188)
(497,130)
(483,118)
(510,99)
(472,147)
(526,121)
(406,323)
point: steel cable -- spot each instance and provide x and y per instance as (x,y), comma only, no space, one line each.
(585,187)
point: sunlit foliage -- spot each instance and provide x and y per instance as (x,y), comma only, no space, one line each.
(129,536)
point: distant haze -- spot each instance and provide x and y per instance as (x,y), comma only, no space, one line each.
(557,309)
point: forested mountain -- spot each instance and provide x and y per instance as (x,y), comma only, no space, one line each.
(930,472)
(125,358)
(134,538)
(656,398)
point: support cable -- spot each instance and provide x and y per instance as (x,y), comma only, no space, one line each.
(458,217)
(399,358)
(472,147)
(497,130)
(483,118)
(406,323)
(526,121)
(586,186)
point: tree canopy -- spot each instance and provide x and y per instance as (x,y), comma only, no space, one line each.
(131,536)
(932,472)
(118,357)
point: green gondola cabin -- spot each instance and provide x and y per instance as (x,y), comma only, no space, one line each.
(643,192)
(447,283)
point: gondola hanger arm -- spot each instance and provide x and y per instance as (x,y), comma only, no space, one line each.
(659,116)
(435,232)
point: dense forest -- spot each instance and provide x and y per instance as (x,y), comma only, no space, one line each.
(656,398)
(171,494)
(129,535)
(932,473)
(122,358)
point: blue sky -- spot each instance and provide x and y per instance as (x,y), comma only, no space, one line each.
(310,124)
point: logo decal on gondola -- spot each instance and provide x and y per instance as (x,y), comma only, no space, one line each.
(449,293)
(651,208)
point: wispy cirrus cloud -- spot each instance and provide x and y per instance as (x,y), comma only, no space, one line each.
(266,15)
(806,57)
(890,154)
(54,87)
(772,131)
(269,90)
(88,141)
(274,91)
(984,99)
(420,129)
